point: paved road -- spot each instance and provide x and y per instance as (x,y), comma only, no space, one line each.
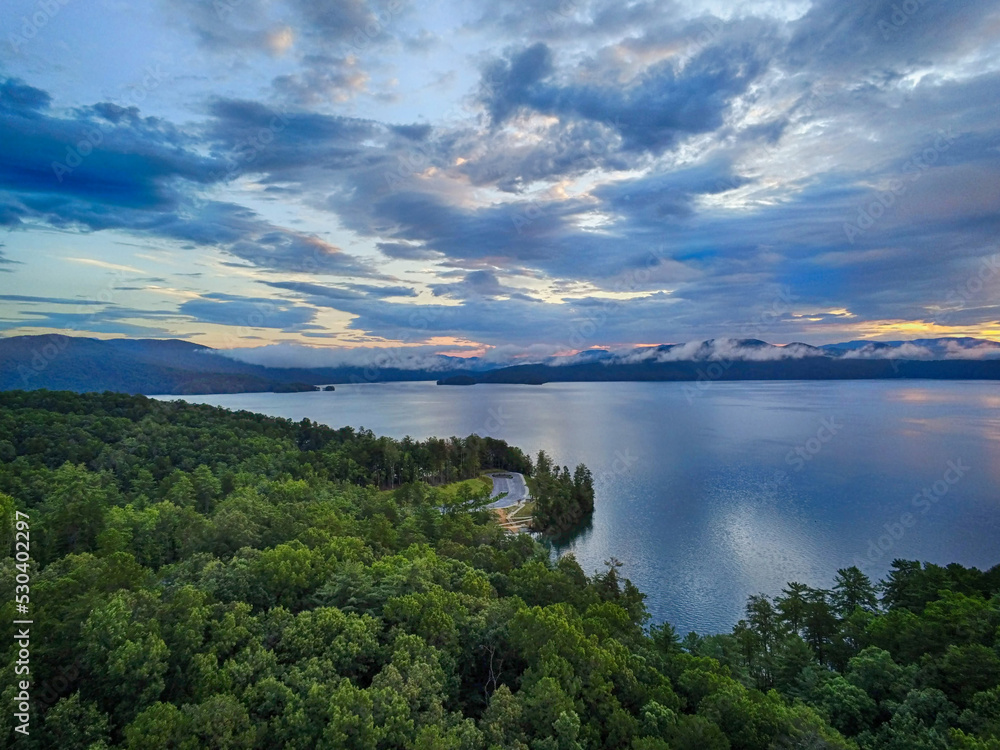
(516,489)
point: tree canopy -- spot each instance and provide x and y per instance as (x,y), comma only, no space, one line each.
(212,579)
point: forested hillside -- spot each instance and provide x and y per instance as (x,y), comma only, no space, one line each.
(207,579)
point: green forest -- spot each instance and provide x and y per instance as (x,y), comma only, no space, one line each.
(210,579)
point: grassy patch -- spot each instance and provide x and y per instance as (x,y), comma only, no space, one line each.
(475,485)
(523,513)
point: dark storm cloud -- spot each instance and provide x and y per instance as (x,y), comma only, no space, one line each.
(17,96)
(129,163)
(653,111)
(252,135)
(248,312)
(530,232)
(105,167)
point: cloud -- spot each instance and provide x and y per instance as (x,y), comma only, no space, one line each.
(474,284)
(47,300)
(248,312)
(903,351)
(972,350)
(141,175)
(726,349)
(425,358)
(324,39)
(230,25)
(658,170)
(552,150)
(405,251)
(428,358)
(324,80)
(17,96)
(854,40)
(49,162)
(347,291)
(652,112)
(111,319)
(4,260)
(347,19)
(104,264)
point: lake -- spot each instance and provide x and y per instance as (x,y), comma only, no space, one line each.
(709,495)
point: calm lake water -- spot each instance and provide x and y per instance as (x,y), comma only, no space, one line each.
(703,496)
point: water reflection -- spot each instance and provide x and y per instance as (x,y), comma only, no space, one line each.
(731,493)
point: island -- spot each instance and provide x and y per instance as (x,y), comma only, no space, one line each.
(293,388)
(457,380)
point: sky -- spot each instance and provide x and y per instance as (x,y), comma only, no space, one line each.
(499,178)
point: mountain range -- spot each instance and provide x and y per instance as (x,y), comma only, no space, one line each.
(170,366)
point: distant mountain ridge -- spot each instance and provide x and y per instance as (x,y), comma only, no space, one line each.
(172,366)
(157,366)
(753,359)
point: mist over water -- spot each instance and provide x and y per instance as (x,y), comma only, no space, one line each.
(708,496)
